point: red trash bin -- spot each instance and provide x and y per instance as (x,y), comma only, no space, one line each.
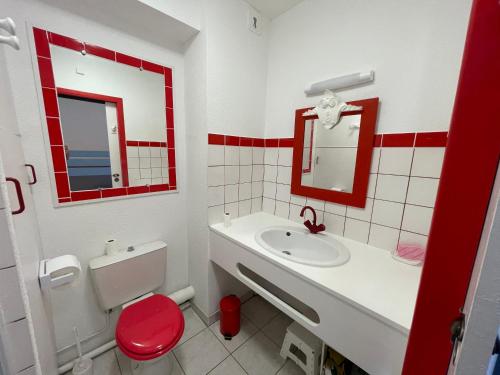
(230,316)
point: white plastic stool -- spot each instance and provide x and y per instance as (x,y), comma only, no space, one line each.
(302,347)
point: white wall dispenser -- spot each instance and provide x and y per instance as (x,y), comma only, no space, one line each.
(58,271)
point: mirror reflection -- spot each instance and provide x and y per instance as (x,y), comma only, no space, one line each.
(105,107)
(329,155)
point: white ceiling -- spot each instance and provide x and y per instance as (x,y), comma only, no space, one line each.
(273,8)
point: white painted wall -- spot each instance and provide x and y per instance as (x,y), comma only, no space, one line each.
(414,47)
(236,69)
(187,11)
(143,92)
(82,229)
(225,93)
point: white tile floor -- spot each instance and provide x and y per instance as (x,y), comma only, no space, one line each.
(202,350)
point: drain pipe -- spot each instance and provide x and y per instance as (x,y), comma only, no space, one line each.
(179,297)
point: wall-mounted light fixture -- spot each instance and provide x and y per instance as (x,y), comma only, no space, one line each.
(340,82)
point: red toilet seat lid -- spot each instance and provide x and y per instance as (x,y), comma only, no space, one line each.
(152,325)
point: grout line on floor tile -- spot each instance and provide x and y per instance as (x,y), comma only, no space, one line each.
(239,346)
(239,364)
(213,368)
(117,361)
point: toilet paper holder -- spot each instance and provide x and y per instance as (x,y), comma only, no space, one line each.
(58,271)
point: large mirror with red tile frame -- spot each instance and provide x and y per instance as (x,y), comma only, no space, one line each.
(333,163)
(109,120)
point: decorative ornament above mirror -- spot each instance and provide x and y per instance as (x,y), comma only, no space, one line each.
(109,118)
(329,109)
(333,145)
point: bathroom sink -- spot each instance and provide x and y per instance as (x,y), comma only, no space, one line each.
(300,246)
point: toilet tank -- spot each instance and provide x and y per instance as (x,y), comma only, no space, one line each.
(127,275)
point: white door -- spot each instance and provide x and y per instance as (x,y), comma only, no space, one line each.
(482,305)
(25,237)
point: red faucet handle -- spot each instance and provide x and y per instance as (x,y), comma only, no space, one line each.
(320,228)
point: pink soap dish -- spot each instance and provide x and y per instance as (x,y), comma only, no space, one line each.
(412,254)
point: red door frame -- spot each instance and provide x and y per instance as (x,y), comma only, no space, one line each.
(120,119)
(469,170)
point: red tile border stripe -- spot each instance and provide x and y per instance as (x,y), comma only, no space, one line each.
(398,140)
(133,143)
(423,139)
(431,139)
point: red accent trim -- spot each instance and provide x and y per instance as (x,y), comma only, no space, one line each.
(128,60)
(286,142)
(100,51)
(426,139)
(170,118)
(120,119)
(215,139)
(66,42)
(259,142)
(160,187)
(152,67)
(398,140)
(41,42)
(473,150)
(232,140)
(54,130)
(85,195)
(363,158)
(146,143)
(169,97)
(114,192)
(246,142)
(172,180)
(58,158)
(272,142)
(50,102)
(431,139)
(311,141)
(170,138)
(62,184)
(46,74)
(171,157)
(168,77)
(137,190)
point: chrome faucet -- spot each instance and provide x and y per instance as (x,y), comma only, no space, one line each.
(313,227)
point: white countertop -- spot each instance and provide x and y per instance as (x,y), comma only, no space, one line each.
(372,280)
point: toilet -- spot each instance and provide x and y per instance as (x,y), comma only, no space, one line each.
(150,325)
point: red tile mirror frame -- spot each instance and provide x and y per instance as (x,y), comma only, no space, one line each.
(363,156)
(43,39)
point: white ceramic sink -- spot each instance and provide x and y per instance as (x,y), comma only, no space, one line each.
(300,246)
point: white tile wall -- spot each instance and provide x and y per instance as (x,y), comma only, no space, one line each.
(147,165)
(16,341)
(11,302)
(235,181)
(7,252)
(401,194)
